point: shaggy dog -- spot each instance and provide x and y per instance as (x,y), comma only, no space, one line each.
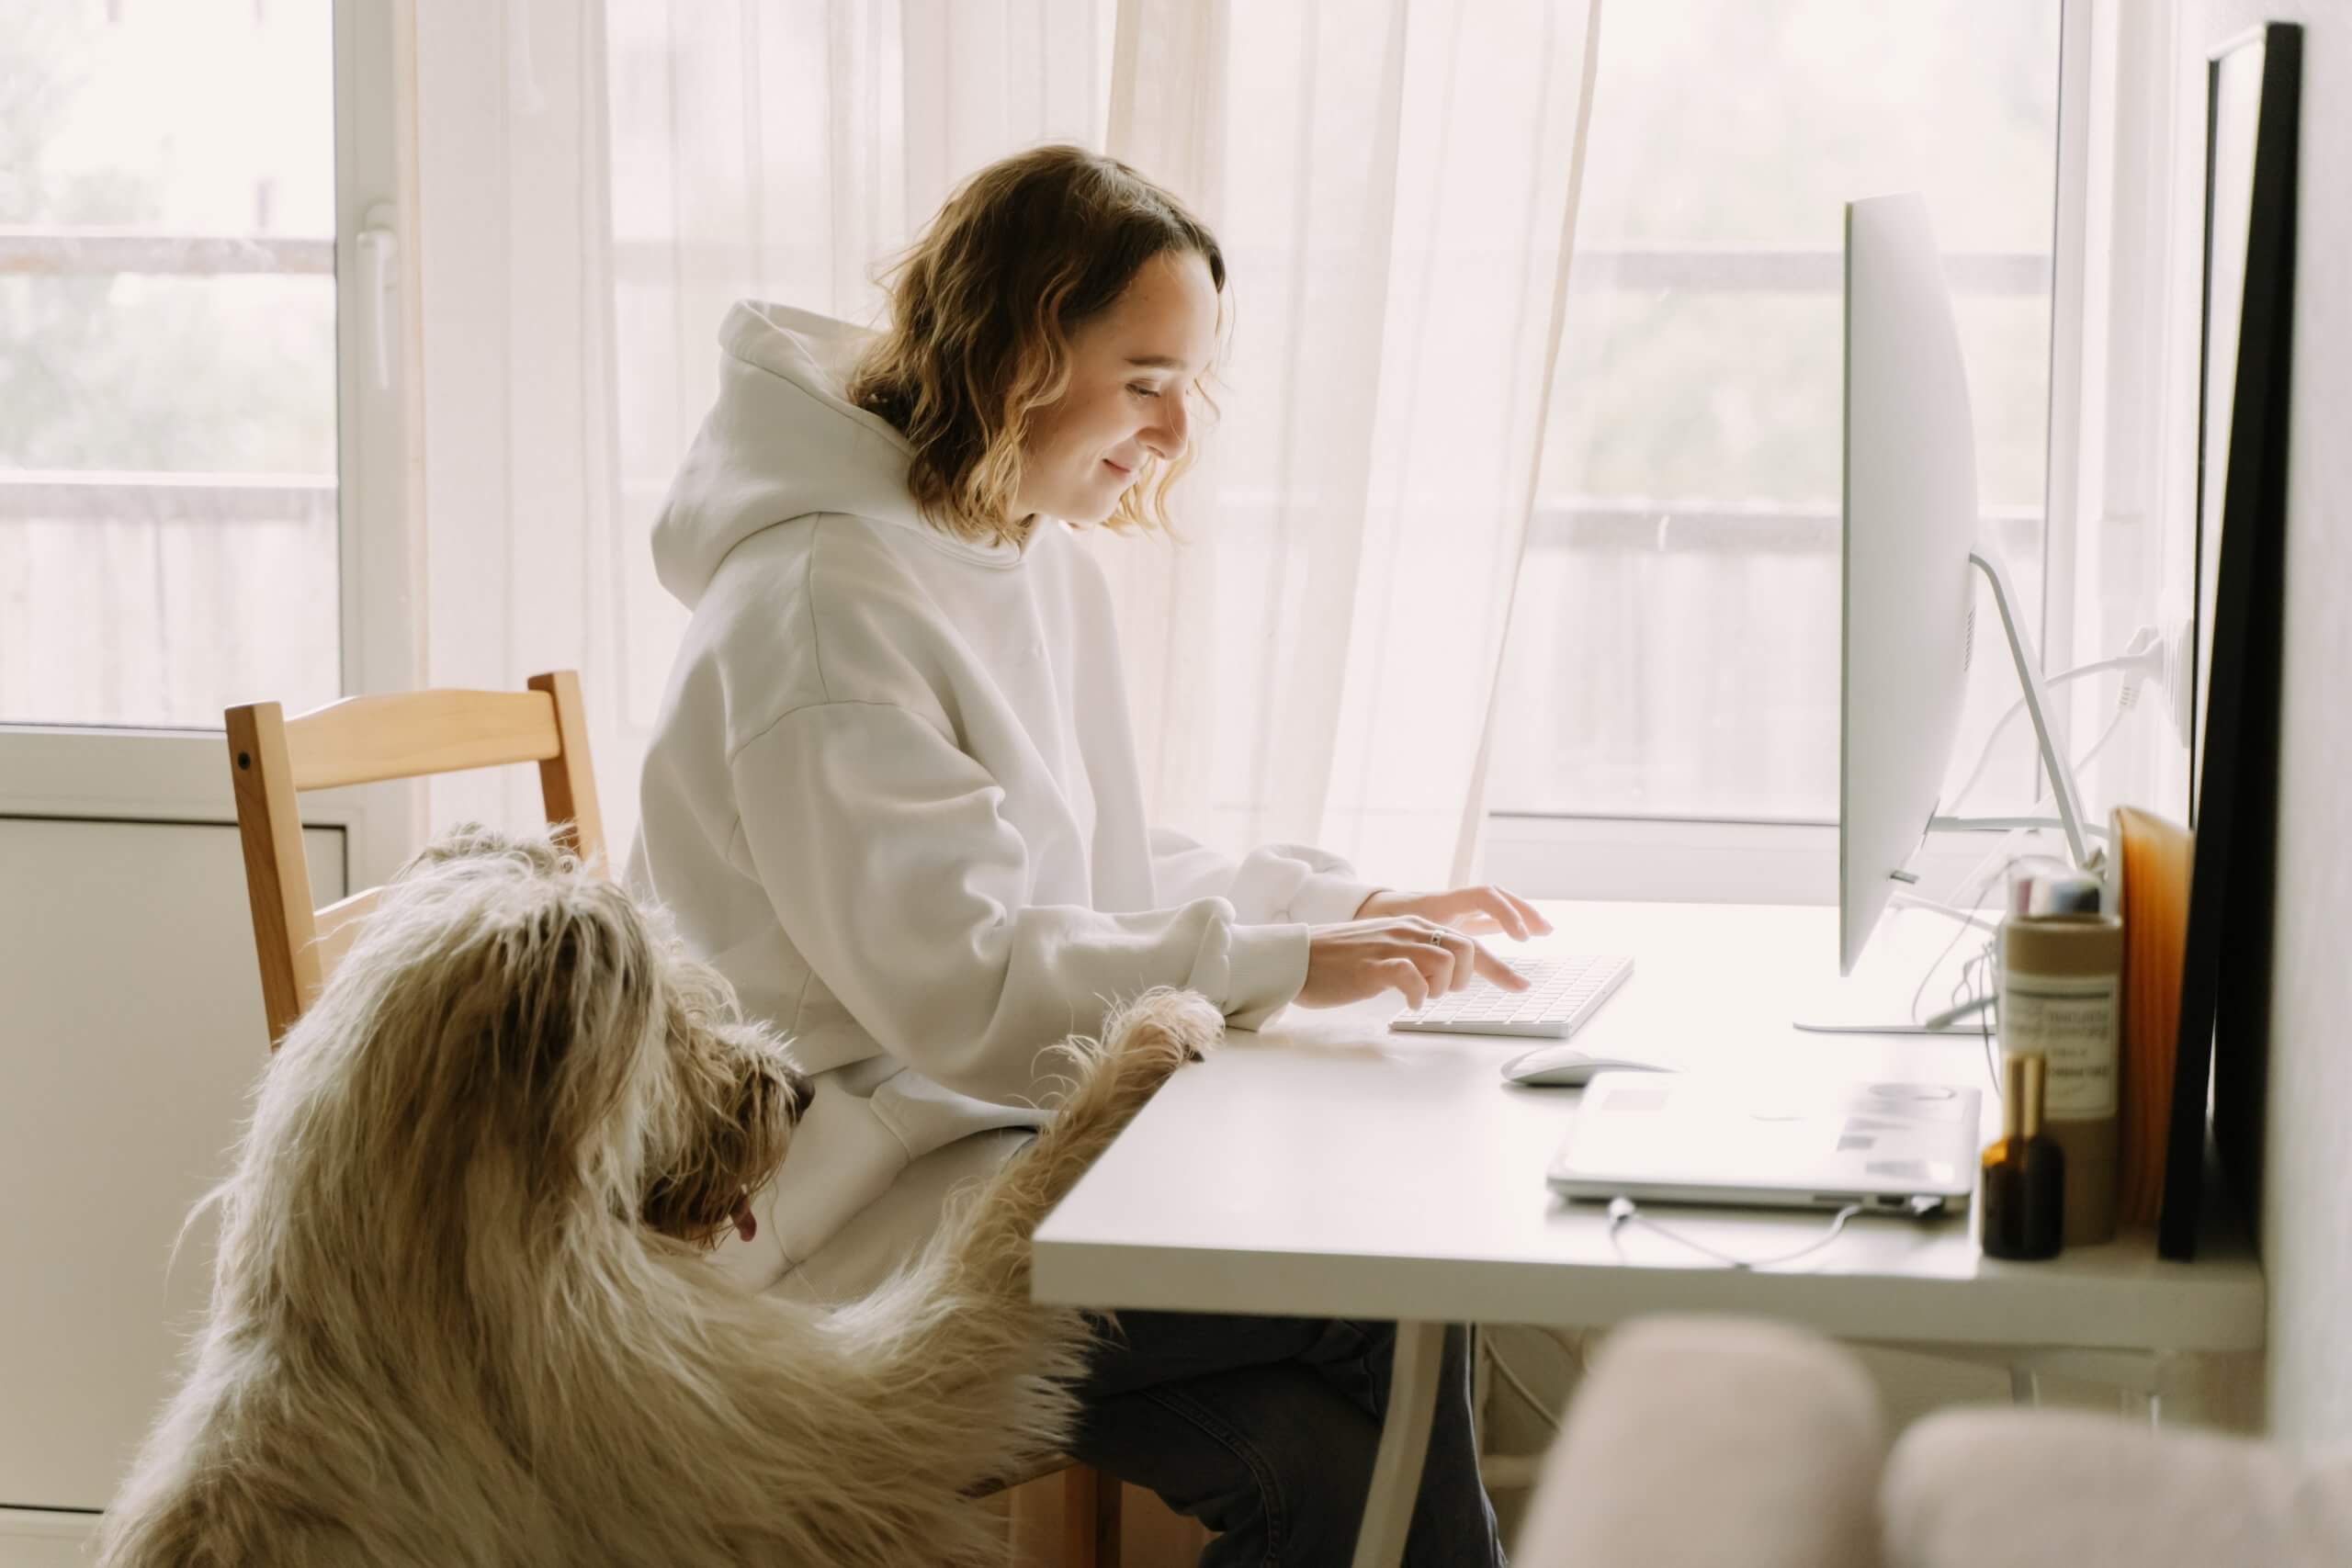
(461,1315)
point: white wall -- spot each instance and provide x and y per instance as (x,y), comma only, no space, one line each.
(2307,1204)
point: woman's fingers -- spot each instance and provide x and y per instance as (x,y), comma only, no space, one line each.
(1415,956)
(1488,908)
(1463,960)
(1529,916)
(1474,962)
(1404,977)
(1503,911)
(1514,914)
(1494,970)
(1425,946)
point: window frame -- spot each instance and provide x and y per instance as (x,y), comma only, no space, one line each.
(1753,860)
(100,773)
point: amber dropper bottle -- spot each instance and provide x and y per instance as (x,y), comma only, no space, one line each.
(2025,1173)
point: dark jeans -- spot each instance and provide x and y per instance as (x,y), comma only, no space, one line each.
(1263,1429)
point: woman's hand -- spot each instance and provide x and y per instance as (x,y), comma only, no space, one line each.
(1416,957)
(1486,908)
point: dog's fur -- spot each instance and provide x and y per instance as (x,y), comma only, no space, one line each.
(462,1315)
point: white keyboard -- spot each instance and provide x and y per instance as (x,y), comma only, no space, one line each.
(1562,993)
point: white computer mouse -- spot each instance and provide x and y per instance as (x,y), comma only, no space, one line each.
(1565,1067)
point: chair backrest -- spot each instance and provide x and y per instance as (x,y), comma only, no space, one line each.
(363,741)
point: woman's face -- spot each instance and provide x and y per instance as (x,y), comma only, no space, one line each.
(1131,369)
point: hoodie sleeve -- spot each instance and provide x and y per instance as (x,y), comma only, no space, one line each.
(894,872)
(1277,885)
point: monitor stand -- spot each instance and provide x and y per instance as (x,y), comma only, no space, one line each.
(2063,791)
(1865,1002)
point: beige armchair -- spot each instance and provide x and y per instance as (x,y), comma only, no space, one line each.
(1736,1444)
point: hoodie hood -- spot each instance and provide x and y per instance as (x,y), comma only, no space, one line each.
(782,442)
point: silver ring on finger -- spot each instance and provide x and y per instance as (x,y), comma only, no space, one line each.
(1437,938)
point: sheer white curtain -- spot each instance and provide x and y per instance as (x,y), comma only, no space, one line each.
(526,543)
(1394,186)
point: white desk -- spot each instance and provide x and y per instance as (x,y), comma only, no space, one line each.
(1333,1167)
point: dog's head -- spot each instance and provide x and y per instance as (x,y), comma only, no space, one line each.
(540,1051)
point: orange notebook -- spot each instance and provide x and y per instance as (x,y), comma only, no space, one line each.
(2155,856)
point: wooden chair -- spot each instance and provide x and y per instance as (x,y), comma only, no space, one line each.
(1089,1510)
(272,758)
(364,740)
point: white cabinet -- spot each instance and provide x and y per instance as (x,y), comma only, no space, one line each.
(131,1034)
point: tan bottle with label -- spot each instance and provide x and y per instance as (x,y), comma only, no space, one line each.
(2062,997)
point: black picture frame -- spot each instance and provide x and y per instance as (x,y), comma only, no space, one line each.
(2221,1056)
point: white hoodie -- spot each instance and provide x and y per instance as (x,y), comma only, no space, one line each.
(893,793)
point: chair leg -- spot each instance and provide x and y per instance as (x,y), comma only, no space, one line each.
(1090,1518)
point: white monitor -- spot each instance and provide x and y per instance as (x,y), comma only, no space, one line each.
(1910,527)
(1910,557)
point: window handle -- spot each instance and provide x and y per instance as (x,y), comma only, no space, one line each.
(379,243)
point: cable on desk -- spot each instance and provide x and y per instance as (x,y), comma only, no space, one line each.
(1623,1210)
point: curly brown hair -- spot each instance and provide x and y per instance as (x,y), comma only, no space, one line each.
(982,310)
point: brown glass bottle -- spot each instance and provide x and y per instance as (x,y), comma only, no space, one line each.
(2025,1174)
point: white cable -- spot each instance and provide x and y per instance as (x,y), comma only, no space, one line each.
(1922,901)
(1978,1004)
(1495,1360)
(1994,866)
(1988,1017)
(1991,869)
(1572,1342)
(1623,1209)
(1967,1007)
(2123,712)
(2143,658)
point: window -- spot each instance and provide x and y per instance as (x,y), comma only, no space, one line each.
(168,408)
(1675,655)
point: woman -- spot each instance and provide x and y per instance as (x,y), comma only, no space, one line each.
(893,794)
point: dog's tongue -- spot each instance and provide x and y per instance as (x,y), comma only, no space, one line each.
(745,1225)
